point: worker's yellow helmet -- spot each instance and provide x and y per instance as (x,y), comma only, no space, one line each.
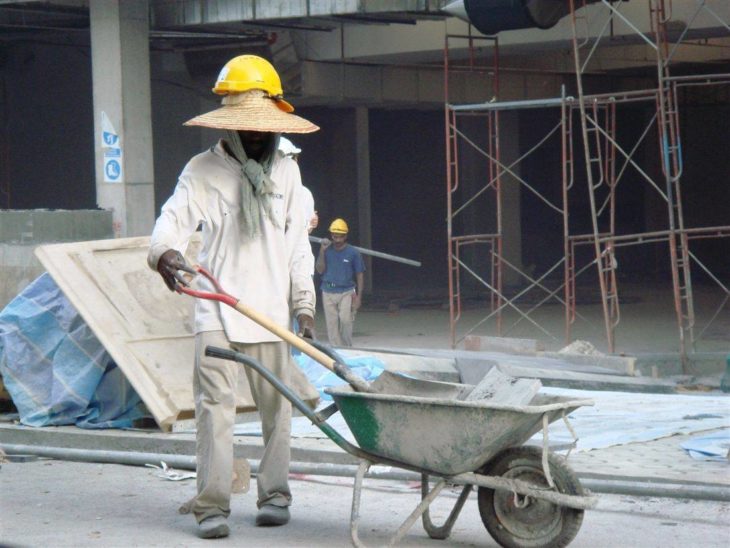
(247,72)
(338,226)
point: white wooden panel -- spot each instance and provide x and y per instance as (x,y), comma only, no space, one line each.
(146,329)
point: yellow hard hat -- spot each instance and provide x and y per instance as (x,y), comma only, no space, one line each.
(247,72)
(338,226)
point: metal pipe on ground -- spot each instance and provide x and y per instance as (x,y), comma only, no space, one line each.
(187,462)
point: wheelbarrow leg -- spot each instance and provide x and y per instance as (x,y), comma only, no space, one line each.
(444,531)
(407,524)
(356,494)
(418,512)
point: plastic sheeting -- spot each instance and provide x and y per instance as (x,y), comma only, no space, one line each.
(619,418)
(55,369)
(712,447)
(367,367)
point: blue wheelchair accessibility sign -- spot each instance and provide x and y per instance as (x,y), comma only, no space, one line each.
(113,170)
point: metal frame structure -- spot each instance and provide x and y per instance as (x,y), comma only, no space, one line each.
(676,235)
(496,169)
(605,163)
(494,239)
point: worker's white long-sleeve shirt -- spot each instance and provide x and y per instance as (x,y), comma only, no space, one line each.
(266,273)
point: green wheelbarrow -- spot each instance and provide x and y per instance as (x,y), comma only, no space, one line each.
(527,496)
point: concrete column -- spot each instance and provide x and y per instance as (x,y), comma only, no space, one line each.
(121,74)
(362,164)
(509,148)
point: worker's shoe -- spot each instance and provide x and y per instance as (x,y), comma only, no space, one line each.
(213,527)
(272,515)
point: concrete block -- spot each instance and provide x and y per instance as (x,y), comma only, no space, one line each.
(592,381)
(625,365)
(21,231)
(670,363)
(18,267)
(473,369)
(496,387)
(46,226)
(502,344)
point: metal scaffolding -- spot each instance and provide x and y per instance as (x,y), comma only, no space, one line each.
(605,163)
(493,240)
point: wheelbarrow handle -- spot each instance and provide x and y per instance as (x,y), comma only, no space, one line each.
(339,369)
(317,418)
(288,393)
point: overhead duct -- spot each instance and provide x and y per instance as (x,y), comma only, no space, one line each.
(493,16)
(204,64)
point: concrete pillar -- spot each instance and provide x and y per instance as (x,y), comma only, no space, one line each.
(509,148)
(362,164)
(122,113)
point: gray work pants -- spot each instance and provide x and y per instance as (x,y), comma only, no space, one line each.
(340,317)
(214,388)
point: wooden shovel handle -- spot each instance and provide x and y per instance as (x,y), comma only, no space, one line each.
(342,371)
(286,335)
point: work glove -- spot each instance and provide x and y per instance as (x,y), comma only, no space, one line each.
(169,266)
(324,244)
(306,326)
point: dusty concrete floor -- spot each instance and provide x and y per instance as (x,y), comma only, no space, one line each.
(647,322)
(54,503)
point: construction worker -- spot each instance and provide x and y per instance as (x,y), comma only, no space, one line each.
(310,214)
(341,267)
(243,196)
(306,200)
(289,149)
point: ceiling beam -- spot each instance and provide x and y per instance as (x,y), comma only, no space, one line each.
(203,12)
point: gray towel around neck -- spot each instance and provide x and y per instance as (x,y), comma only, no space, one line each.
(257,186)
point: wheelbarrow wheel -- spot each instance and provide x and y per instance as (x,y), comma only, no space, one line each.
(516,521)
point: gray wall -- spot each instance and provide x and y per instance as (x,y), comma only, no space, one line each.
(175,99)
(48,126)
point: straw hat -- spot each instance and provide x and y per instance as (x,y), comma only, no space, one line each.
(253,110)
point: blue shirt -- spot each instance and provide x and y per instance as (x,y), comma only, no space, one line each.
(340,269)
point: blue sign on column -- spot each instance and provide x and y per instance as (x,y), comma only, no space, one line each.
(113,165)
(113,170)
(112,146)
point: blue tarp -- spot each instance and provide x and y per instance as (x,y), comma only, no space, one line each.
(712,447)
(55,369)
(367,367)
